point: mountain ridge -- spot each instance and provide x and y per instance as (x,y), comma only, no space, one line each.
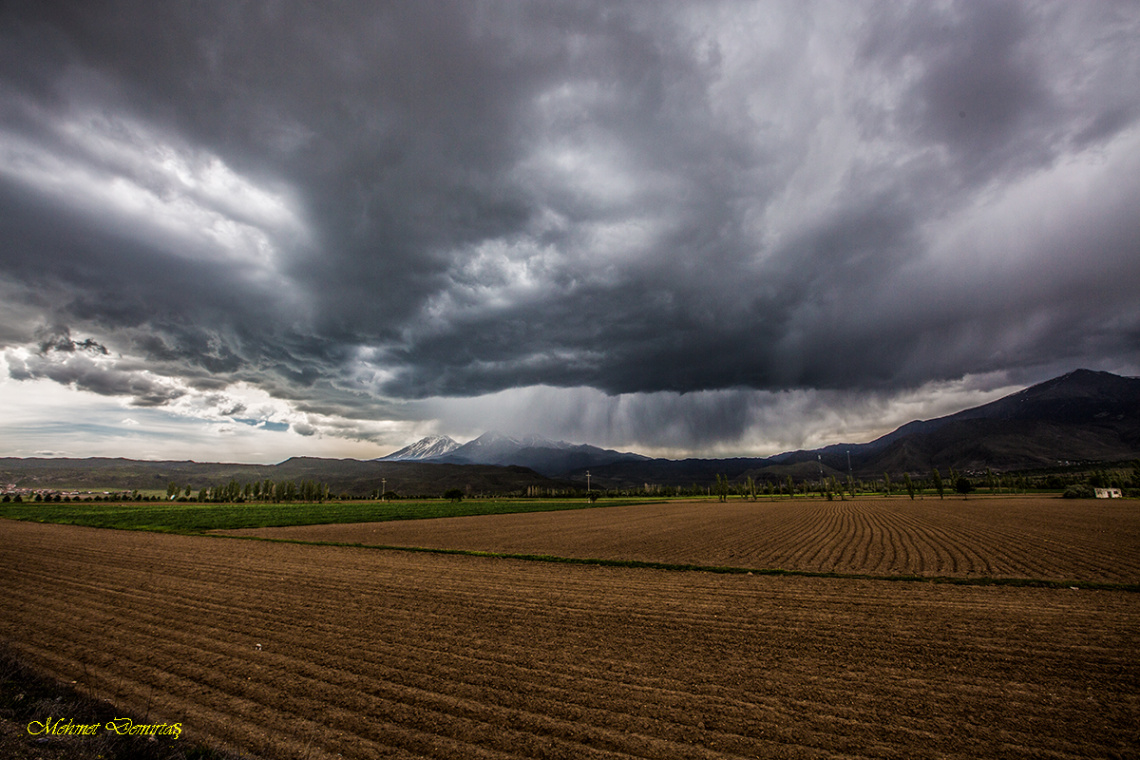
(1082,416)
(1079,416)
(426,448)
(355,477)
(544,456)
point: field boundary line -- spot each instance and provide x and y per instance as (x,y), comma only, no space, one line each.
(717,569)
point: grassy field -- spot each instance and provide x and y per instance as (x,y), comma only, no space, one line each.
(191,517)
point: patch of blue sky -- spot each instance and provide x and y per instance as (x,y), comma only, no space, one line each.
(276,427)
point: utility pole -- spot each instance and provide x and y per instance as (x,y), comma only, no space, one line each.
(383,489)
(587,481)
(850,477)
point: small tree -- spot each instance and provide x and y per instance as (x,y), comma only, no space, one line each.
(455,494)
(722,487)
(963,485)
(750,488)
(887,483)
(939,486)
(909,485)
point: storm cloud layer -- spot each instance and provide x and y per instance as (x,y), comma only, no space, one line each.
(644,222)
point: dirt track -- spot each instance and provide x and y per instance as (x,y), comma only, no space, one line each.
(1051,538)
(293,651)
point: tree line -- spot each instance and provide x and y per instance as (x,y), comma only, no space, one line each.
(912,485)
(267,490)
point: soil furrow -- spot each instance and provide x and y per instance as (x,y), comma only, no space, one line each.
(997,537)
(368,653)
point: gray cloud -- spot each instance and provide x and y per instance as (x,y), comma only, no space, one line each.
(85,374)
(356,207)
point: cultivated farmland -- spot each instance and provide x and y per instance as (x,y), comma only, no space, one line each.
(296,651)
(1023,537)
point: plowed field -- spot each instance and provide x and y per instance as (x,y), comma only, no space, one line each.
(296,651)
(1044,538)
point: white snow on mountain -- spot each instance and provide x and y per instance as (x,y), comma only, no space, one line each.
(426,448)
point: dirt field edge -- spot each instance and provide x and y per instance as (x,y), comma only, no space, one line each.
(717,569)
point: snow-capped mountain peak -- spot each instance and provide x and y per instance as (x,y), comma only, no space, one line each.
(426,448)
(494,448)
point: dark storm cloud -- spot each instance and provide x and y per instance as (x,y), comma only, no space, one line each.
(981,88)
(83,373)
(347,203)
(60,340)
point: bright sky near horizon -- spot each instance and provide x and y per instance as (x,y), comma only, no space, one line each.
(250,231)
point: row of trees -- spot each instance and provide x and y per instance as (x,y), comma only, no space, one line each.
(60,498)
(831,487)
(268,490)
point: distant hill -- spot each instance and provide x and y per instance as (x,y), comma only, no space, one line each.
(1083,416)
(352,476)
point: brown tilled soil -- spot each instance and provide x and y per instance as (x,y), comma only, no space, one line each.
(1043,538)
(296,651)
(27,697)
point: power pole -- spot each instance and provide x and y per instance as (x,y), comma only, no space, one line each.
(850,477)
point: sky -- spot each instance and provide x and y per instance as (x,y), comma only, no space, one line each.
(244,231)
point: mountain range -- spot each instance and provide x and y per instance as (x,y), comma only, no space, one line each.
(544,456)
(1083,416)
(343,476)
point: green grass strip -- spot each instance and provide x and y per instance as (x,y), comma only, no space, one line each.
(194,518)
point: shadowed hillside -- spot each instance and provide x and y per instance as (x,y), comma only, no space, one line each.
(351,476)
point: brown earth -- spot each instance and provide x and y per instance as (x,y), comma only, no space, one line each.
(297,651)
(1033,537)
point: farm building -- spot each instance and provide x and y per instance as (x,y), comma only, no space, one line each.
(1108,493)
